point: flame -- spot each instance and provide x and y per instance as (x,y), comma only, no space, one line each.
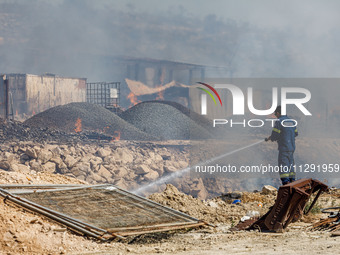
(116,136)
(160,95)
(133,99)
(33,113)
(78,126)
(16,113)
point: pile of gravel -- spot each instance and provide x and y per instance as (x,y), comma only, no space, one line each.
(165,121)
(16,131)
(199,119)
(93,118)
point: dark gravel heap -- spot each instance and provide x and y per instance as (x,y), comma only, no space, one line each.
(14,130)
(165,121)
(199,119)
(93,117)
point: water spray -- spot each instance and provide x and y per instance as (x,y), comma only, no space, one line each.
(165,179)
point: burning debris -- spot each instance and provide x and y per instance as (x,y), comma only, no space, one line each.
(78,128)
(133,99)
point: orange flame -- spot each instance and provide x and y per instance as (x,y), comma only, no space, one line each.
(33,113)
(78,126)
(160,95)
(133,99)
(116,136)
(16,113)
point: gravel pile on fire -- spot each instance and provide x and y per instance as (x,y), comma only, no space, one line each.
(165,121)
(14,130)
(93,117)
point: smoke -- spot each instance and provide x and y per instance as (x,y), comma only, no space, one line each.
(251,38)
(78,38)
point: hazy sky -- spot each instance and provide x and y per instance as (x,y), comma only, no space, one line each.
(315,16)
(270,38)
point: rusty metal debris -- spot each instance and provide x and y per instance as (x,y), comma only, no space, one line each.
(289,205)
(332,223)
(104,212)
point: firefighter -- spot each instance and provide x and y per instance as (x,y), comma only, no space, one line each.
(284,133)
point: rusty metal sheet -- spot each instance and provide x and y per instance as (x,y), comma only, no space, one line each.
(290,204)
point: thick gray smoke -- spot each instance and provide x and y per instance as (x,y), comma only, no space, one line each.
(251,38)
(78,38)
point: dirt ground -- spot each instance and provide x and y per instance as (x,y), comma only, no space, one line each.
(23,232)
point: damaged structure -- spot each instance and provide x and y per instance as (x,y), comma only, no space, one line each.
(29,94)
(289,206)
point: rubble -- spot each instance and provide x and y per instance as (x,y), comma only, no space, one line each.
(268,189)
(215,211)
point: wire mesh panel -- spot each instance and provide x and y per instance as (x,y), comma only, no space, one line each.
(108,207)
(105,94)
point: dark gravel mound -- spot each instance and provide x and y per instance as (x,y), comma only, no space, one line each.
(199,119)
(16,131)
(93,118)
(164,121)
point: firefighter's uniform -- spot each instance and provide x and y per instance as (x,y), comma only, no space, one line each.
(285,136)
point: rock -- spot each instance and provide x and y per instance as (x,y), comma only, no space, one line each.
(94,162)
(8,157)
(212,204)
(103,152)
(158,157)
(57,151)
(121,172)
(142,169)
(70,161)
(151,176)
(94,178)
(31,152)
(23,158)
(124,155)
(5,165)
(268,189)
(169,169)
(81,168)
(104,173)
(121,183)
(159,168)
(198,189)
(45,155)
(49,167)
(19,168)
(58,161)
(36,166)
(182,164)
(62,168)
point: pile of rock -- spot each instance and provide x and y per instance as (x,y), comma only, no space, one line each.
(126,166)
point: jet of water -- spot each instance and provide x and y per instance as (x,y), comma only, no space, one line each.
(179,173)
